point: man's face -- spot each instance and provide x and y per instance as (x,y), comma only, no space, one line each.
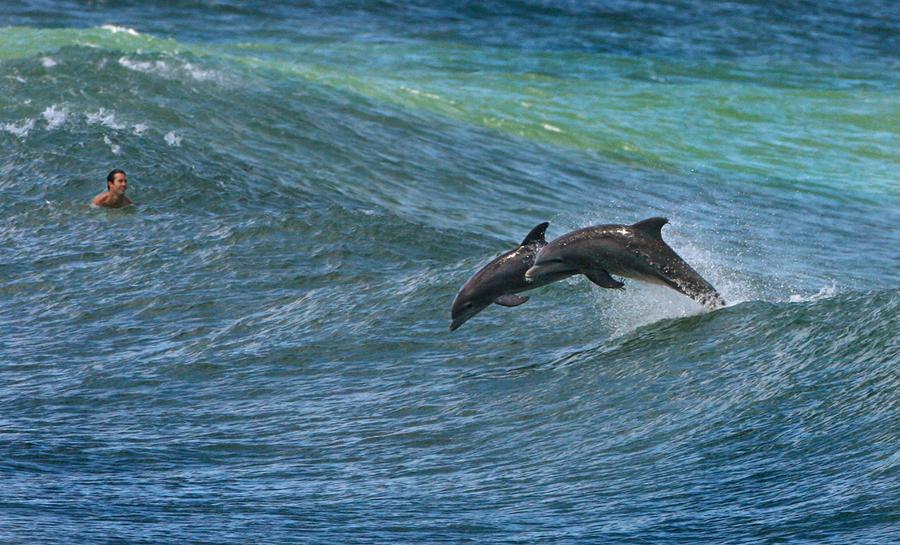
(119,183)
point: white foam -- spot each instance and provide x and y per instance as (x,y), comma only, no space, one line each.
(551,128)
(54,117)
(47,62)
(417,92)
(824,293)
(200,74)
(115,149)
(638,304)
(734,286)
(117,29)
(156,67)
(104,117)
(172,139)
(140,128)
(19,130)
(169,71)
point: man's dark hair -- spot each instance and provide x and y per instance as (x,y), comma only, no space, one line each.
(111,175)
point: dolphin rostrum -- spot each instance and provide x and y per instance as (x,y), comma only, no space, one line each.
(500,280)
(633,251)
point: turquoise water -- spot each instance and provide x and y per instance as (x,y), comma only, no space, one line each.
(258,352)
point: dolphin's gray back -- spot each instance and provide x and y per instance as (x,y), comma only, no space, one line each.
(506,273)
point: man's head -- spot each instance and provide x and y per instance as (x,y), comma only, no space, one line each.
(117,181)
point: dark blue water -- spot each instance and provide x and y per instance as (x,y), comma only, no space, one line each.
(258,351)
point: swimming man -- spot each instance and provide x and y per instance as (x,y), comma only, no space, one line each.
(114,196)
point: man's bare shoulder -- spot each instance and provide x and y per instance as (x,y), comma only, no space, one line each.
(109,200)
(101,199)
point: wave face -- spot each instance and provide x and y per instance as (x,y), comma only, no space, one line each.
(258,352)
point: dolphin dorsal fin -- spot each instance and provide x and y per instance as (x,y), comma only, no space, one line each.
(651,226)
(536,234)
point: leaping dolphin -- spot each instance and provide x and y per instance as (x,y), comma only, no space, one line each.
(499,281)
(633,251)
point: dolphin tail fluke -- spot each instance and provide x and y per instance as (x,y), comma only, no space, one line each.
(697,289)
(684,279)
(676,273)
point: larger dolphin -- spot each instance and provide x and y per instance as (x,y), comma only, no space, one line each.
(633,251)
(499,281)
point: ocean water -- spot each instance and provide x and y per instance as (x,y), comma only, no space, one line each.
(258,352)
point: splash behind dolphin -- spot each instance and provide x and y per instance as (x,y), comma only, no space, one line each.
(499,280)
(633,251)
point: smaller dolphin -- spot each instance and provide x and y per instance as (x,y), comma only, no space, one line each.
(633,251)
(501,279)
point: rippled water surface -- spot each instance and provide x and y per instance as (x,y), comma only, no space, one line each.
(258,352)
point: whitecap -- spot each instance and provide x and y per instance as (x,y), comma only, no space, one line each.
(105,118)
(169,71)
(824,293)
(47,62)
(19,130)
(200,74)
(54,117)
(140,128)
(172,139)
(551,128)
(117,29)
(156,67)
(114,148)
(421,93)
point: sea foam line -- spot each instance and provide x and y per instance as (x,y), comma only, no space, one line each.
(105,118)
(114,148)
(159,67)
(19,130)
(117,29)
(54,117)
(172,139)
(824,293)
(166,70)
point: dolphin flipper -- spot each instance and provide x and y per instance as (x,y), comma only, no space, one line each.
(510,300)
(603,279)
